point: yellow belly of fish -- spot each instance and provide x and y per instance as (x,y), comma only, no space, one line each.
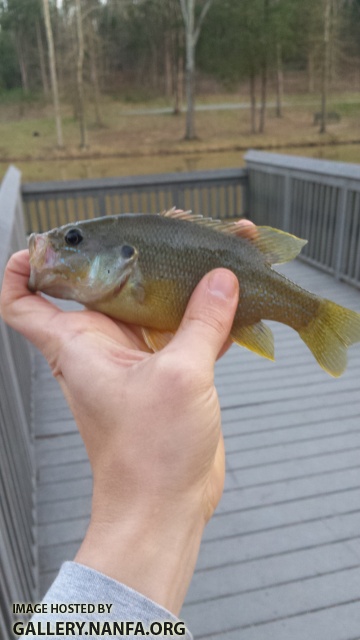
(160,305)
(155,304)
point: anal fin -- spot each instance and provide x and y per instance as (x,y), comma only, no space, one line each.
(256,337)
(156,340)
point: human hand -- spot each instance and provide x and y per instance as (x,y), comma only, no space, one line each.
(150,424)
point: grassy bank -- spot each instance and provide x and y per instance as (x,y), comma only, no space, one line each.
(125,142)
(140,135)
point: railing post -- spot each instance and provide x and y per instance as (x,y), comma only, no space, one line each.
(287,202)
(102,205)
(17,459)
(340,228)
(245,193)
(9,195)
(175,198)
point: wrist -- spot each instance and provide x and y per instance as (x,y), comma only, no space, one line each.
(152,551)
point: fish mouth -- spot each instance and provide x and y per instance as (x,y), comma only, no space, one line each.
(42,258)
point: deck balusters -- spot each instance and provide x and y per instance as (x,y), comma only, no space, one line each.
(18,548)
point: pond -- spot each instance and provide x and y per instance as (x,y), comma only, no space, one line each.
(38,171)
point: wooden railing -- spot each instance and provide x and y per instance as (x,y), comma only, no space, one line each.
(314,199)
(18,552)
(216,194)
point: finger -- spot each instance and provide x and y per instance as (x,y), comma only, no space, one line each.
(248,228)
(27,312)
(241,223)
(245,223)
(226,346)
(209,316)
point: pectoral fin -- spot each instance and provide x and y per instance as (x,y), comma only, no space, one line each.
(256,337)
(156,340)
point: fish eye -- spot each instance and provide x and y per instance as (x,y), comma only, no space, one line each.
(127,251)
(73,237)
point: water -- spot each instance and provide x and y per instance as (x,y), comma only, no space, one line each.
(38,171)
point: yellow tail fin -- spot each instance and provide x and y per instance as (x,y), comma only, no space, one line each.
(329,335)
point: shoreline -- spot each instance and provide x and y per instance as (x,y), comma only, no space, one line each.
(181,152)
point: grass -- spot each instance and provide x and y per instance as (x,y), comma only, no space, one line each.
(128,137)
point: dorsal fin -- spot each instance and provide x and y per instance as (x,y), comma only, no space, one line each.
(180,215)
(277,246)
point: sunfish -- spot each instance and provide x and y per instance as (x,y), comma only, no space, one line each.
(143,268)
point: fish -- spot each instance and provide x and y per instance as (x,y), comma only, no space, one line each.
(143,268)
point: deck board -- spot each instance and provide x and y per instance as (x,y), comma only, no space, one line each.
(281,556)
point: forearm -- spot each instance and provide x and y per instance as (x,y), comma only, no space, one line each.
(153,552)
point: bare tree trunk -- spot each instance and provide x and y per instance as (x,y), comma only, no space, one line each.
(190,50)
(264,67)
(333,71)
(168,73)
(178,78)
(325,66)
(190,124)
(179,84)
(94,77)
(263,97)
(181,79)
(311,71)
(79,75)
(154,69)
(279,81)
(192,36)
(53,71)
(42,59)
(22,63)
(253,102)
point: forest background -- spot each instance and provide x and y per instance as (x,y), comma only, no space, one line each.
(191,83)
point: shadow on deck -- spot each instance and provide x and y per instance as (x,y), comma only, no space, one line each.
(281,557)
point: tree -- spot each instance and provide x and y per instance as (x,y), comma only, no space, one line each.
(138,48)
(174,52)
(192,32)
(9,67)
(331,45)
(349,29)
(279,72)
(42,58)
(92,38)
(54,85)
(19,17)
(79,73)
(229,46)
(264,61)
(279,81)
(325,73)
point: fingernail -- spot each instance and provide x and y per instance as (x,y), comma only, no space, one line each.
(222,283)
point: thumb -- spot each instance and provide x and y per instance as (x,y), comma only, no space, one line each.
(209,316)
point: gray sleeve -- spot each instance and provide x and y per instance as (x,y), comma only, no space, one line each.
(79,585)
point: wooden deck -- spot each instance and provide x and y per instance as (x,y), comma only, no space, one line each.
(280,559)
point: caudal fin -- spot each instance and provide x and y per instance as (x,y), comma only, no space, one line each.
(329,335)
